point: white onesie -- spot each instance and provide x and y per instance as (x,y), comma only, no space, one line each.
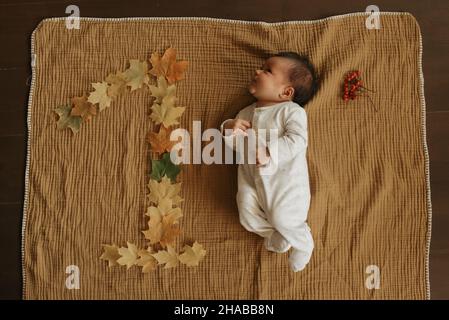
(279,200)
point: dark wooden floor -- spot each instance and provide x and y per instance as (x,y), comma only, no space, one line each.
(18,18)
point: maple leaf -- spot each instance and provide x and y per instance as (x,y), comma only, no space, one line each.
(170,230)
(153,233)
(164,189)
(160,142)
(66,120)
(192,254)
(100,95)
(128,255)
(163,232)
(137,74)
(162,167)
(167,66)
(164,208)
(159,65)
(168,257)
(110,254)
(162,90)
(83,108)
(117,84)
(162,226)
(146,260)
(166,112)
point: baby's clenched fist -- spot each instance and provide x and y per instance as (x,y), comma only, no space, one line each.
(236,124)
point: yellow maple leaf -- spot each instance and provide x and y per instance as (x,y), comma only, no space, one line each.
(162,90)
(137,74)
(100,95)
(164,189)
(164,208)
(154,232)
(128,255)
(172,217)
(146,260)
(166,112)
(117,84)
(160,142)
(168,257)
(167,66)
(192,254)
(110,254)
(83,108)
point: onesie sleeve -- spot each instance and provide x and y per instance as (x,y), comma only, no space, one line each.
(222,126)
(293,140)
(230,138)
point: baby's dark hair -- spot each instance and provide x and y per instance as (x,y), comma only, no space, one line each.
(302,75)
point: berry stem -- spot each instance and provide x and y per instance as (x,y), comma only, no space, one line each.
(367,88)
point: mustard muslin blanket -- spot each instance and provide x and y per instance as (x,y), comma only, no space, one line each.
(370,208)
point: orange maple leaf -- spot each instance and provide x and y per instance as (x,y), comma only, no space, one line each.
(82,107)
(168,66)
(169,233)
(160,142)
(170,229)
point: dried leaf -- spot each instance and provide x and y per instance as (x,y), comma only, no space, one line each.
(117,84)
(146,260)
(192,254)
(160,142)
(160,168)
(66,120)
(153,233)
(168,257)
(162,226)
(137,74)
(167,66)
(100,95)
(163,233)
(164,189)
(164,208)
(166,112)
(128,255)
(170,230)
(110,254)
(83,108)
(162,90)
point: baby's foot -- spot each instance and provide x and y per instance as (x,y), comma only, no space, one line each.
(277,243)
(298,259)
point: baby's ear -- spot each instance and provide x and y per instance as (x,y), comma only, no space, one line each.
(289,92)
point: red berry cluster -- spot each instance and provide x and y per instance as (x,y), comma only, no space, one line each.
(353,84)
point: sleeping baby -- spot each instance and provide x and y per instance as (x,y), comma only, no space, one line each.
(273,194)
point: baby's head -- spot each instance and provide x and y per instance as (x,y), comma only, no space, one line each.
(285,76)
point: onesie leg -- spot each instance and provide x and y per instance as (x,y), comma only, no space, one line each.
(298,259)
(290,224)
(301,254)
(251,215)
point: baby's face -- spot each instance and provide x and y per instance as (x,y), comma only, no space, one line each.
(270,82)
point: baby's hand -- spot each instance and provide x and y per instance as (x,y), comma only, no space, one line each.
(262,156)
(236,124)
